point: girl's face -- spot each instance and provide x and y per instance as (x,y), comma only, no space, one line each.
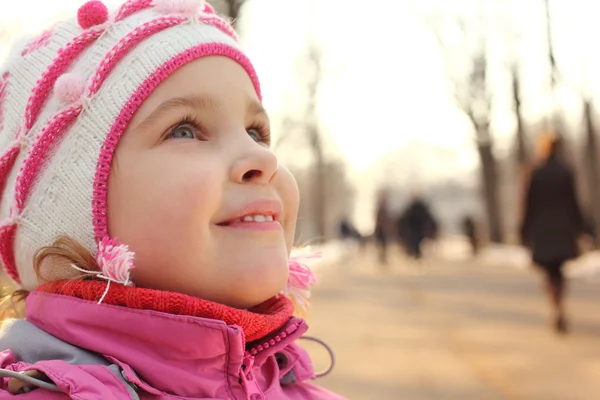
(198,195)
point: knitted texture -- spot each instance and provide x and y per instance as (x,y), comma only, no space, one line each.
(256,322)
(66,98)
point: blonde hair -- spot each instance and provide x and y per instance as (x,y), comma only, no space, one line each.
(545,145)
(51,263)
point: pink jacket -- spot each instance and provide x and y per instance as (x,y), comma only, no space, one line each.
(104,352)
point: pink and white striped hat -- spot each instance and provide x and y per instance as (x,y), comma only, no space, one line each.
(67,96)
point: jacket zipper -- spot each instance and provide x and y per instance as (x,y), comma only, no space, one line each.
(247,378)
(248,381)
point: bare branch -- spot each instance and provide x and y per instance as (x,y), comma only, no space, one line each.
(310,78)
(289,126)
(469,82)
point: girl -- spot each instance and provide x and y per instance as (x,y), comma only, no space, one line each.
(145,215)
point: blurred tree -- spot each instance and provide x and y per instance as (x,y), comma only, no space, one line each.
(522,161)
(315,141)
(521,139)
(590,146)
(591,167)
(338,201)
(467,67)
(310,78)
(554,117)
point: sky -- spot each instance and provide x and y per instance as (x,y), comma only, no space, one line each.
(383,77)
(385,84)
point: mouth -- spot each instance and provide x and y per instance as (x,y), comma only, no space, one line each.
(254,218)
(262,214)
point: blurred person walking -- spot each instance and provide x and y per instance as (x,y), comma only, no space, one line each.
(383,226)
(416,224)
(349,232)
(552,222)
(469,227)
(351,240)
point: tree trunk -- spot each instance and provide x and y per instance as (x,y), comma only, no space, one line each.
(552,121)
(591,158)
(523,163)
(319,196)
(522,155)
(491,193)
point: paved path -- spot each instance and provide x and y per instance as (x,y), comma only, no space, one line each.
(458,331)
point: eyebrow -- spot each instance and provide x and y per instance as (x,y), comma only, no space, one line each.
(197,103)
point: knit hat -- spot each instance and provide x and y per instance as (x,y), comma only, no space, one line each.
(67,96)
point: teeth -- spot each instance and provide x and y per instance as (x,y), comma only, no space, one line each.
(256,218)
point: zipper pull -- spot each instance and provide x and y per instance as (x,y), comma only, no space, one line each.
(248,381)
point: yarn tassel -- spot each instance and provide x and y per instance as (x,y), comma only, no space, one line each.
(301,278)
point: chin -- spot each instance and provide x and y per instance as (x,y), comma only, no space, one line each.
(259,289)
(256,295)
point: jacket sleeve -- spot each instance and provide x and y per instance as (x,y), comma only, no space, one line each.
(529,207)
(573,205)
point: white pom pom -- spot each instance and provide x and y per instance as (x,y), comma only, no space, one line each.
(69,88)
(185,7)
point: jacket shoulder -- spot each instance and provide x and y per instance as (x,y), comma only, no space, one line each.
(61,380)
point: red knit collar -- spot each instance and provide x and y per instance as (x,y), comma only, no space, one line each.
(256,322)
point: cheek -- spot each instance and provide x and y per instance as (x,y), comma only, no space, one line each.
(160,198)
(288,191)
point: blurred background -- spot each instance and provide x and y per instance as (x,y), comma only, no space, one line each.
(415,130)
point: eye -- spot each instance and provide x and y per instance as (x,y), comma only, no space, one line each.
(255,135)
(183,131)
(259,135)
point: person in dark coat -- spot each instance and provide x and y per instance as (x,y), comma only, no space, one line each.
(415,224)
(552,224)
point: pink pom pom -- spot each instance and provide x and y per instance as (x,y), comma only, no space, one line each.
(208,9)
(116,261)
(69,88)
(185,7)
(300,279)
(92,13)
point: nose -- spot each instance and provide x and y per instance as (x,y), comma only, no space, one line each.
(256,164)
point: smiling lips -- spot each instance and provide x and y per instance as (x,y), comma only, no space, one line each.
(258,215)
